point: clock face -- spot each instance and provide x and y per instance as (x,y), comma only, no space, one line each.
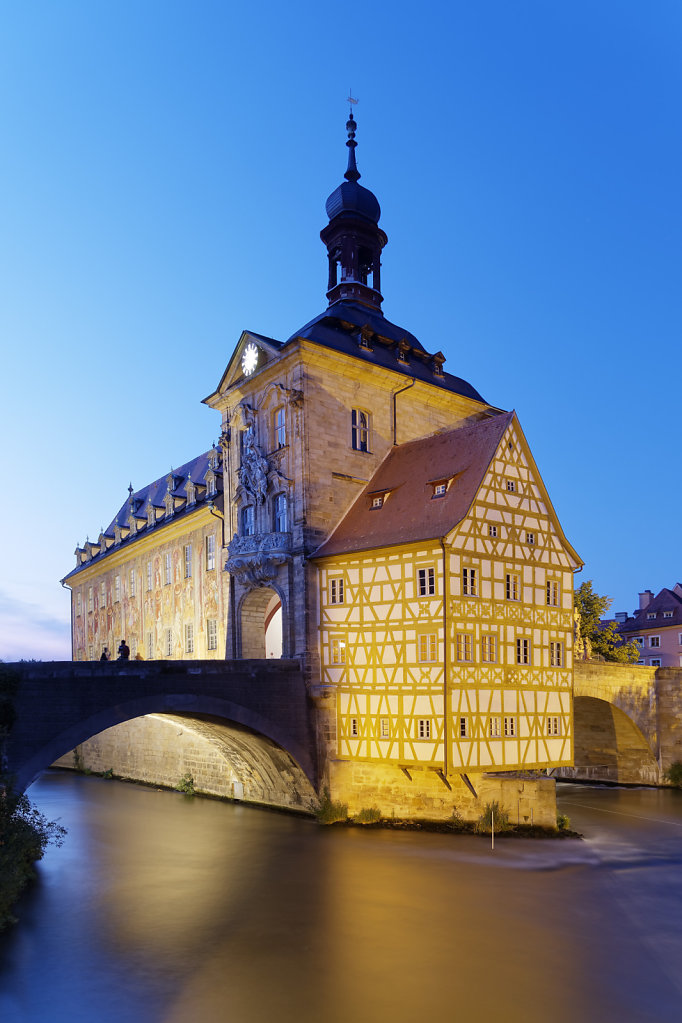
(249,359)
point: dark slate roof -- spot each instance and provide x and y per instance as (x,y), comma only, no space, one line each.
(352,198)
(410,513)
(155,492)
(666,600)
(339,326)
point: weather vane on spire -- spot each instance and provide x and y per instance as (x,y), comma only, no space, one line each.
(351,101)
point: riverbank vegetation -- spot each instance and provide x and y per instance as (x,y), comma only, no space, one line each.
(25,834)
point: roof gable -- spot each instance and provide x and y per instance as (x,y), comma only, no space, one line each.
(257,350)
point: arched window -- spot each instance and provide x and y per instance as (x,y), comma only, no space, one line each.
(280,513)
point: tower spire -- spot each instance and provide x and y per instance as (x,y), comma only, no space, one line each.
(352,172)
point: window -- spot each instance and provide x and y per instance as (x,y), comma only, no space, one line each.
(385,728)
(248,521)
(654,641)
(553,592)
(655,662)
(91,600)
(495,727)
(212,634)
(117,588)
(639,640)
(510,726)
(463,728)
(132,583)
(354,727)
(492,530)
(149,575)
(469,582)
(338,651)
(530,539)
(489,649)
(523,651)
(280,513)
(103,595)
(512,587)
(553,725)
(667,614)
(651,615)
(168,642)
(280,427)
(440,489)
(465,645)
(150,646)
(378,501)
(359,430)
(210,486)
(210,552)
(91,652)
(426,582)
(511,486)
(556,655)
(336,591)
(188,561)
(167,569)
(424,728)
(79,603)
(428,647)
(189,638)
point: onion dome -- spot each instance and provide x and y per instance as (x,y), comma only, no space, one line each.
(350,197)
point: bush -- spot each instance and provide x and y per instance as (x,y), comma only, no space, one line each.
(186,785)
(329,812)
(368,815)
(456,822)
(674,774)
(493,815)
(563,823)
(25,833)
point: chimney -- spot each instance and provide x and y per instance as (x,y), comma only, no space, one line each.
(677,588)
(645,599)
(621,617)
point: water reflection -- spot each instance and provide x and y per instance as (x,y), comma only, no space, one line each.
(161,909)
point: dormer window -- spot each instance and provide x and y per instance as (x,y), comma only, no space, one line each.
(378,501)
(210,485)
(440,489)
(667,614)
(169,504)
(151,515)
(191,491)
(651,615)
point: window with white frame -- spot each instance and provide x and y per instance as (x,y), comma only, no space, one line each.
(492,530)
(117,588)
(553,592)
(103,595)
(424,728)
(280,427)
(150,646)
(512,587)
(651,615)
(488,648)
(168,642)
(523,650)
(189,638)
(188,561)
(511,486)
(210,552)
(553,725)
(510,726)
(280,513)
(654,641)
(426,582)
(131,582)
(639,640)
(428,647)
(495,727)
(212,633)
(655,662)
(336,590)
(338,651)
(530,539)
(667,614)
(91,600)
(385,728)
(79,603)
(248,520)
(167,569)
(91,652)
(440,489)
(360,430)
(377,502)
(556,654)
(470,582)
(465,646)
(149,575)
(210,486)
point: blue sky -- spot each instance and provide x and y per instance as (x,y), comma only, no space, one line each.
(162,187)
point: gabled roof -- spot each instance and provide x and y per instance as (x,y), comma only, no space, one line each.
(233,370)
(410,512)
(665,600)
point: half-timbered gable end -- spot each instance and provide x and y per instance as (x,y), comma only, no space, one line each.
(446,609)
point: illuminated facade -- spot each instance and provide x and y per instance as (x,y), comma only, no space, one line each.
(381,522)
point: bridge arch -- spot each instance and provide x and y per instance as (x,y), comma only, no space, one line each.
(262,623)
(609,745)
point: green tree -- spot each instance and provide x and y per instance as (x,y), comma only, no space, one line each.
(603,640)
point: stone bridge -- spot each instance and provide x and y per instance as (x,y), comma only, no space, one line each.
(253,714)
(627,722)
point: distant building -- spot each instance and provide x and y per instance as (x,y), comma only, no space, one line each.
(370,514)
(656,626)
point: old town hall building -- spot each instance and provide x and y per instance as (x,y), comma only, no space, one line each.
(370,514)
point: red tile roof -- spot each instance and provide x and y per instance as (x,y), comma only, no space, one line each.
(410,512)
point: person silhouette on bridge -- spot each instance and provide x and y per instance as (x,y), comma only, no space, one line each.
(123,651)
(105,654)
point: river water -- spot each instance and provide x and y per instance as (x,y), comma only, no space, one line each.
(160,908)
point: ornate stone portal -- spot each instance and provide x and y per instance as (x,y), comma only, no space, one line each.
(255,560)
